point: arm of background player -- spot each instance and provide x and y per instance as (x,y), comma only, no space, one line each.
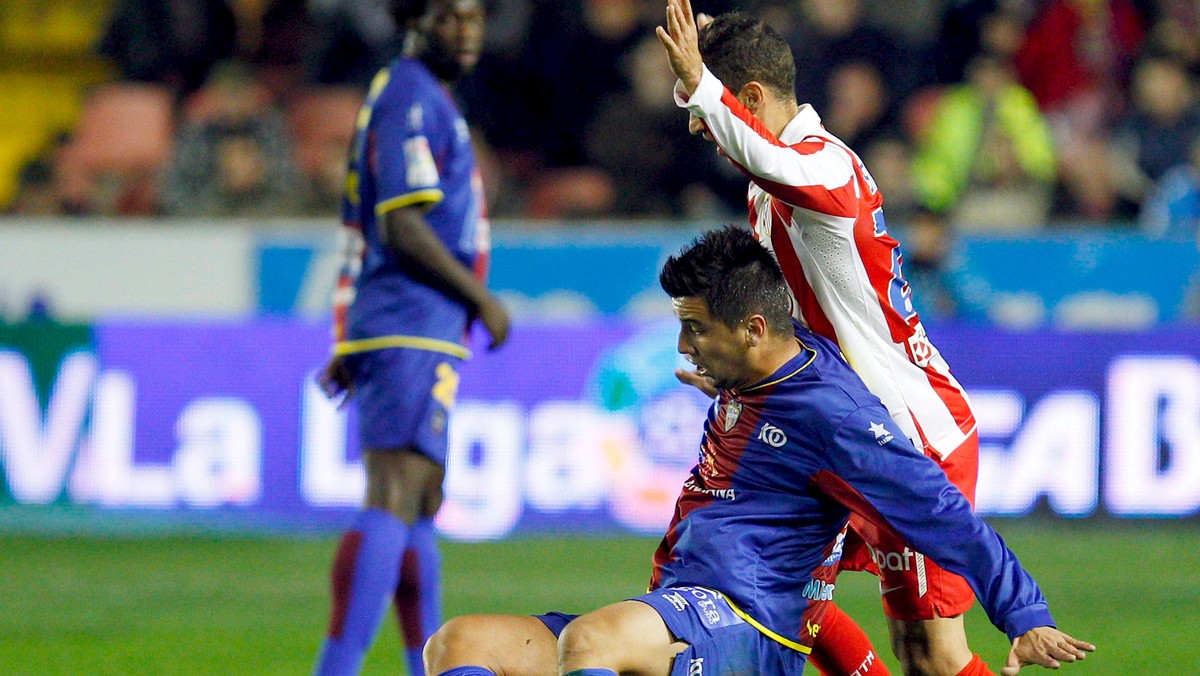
(408,235)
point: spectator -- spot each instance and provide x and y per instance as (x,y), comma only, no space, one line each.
(171,42)
(1173,209)
(833,32)
(638,140)
(235,159)
(350,41)
(1076,60)
(859,109)
(1158,132)
(987,160)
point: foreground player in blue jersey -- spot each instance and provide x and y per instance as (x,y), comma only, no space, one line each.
(418,244)
(793,444)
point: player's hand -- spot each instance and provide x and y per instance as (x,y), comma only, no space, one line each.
(495,319)
(336,381)
(697,381)
(681,40)
(1045,646)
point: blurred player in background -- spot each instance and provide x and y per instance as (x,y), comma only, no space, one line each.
(417,259)
(794,442)
(817,209)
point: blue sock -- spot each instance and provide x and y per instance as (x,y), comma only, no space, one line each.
(591,672)
(365,574)
(419,596)
(468,671)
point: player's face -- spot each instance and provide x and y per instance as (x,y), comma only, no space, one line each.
(455,33)
(697,128)
(718,351)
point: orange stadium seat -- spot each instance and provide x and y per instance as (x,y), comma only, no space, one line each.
(321,122)
(123,139)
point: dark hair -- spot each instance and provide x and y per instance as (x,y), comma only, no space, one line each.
(734,274)
(739,50)
(404,11)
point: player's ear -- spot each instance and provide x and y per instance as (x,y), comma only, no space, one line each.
(756,330)
(752,95)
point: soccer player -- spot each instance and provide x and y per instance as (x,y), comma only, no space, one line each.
(793,443)
(815,206)
(417,257)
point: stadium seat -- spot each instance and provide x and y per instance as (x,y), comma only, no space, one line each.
(123,138)
(321,122)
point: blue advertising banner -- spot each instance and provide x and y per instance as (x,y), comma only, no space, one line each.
(567,428)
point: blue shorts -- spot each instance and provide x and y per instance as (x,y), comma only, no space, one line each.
(404,397)
(719,641)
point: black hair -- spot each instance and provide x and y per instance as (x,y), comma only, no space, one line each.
(404,11)
(734,274)
(739,49)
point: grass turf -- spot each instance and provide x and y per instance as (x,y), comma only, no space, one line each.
(211,605)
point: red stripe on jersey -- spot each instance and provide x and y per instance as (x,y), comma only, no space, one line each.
(841,201)
(846,495)
(408,600)
(743,113)
(956,402)
(785,253)
(343,580)
(876,254)
(721,453)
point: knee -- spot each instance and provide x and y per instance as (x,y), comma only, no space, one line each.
(457,643)
(586,639)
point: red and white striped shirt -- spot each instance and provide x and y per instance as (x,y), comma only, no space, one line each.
(816,208)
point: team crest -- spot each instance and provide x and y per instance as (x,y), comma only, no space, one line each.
(732,410)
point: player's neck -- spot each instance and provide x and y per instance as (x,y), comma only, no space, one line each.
(771,357)
(776,115)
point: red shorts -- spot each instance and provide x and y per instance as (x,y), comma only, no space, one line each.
(915,588)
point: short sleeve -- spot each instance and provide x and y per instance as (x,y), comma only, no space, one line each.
(404,136)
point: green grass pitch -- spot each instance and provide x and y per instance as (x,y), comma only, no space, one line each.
(211,605)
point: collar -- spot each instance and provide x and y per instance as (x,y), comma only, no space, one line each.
(806,123)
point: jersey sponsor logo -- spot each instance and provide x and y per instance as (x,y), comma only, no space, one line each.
(733,410)
(811,628)
(696,666)
(818,590)
(676,601)
(772,435)
(420,170)
(894,560)
(882,435)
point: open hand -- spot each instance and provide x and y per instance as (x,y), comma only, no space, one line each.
(335,380)
(681,40)
(1045,646)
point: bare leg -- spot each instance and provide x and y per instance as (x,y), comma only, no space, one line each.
(936,647)
(627,637)
(508,645)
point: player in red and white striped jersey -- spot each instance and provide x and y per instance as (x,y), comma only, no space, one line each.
(813,203)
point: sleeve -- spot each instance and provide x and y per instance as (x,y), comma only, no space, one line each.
(405,131)
(871,468)
(813,174)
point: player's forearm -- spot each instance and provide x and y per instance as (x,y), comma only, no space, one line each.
(776,167)
(427,259)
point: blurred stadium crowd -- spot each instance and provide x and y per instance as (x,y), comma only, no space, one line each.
(976,115)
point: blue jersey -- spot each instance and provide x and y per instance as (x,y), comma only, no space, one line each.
(412,148)
(782,464)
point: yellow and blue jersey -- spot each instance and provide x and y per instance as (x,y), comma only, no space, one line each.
(782,464)
(412,147)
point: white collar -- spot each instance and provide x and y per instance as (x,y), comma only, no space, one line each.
(806,123)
